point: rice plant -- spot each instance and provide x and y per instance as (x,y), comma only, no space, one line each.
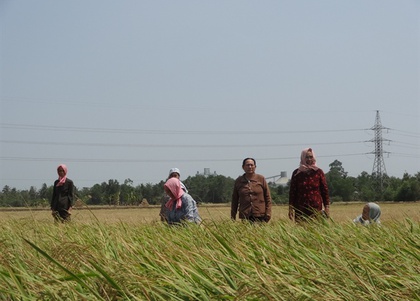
(220,260)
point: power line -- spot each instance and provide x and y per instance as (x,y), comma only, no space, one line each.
(406,134)
(154,132)
(407,155)
(405,145)
(96,160)
(168,145)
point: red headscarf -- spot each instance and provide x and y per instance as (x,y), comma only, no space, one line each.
(62,180)
(303,167)
(174,186)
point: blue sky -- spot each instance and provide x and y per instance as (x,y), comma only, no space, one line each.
(129,89)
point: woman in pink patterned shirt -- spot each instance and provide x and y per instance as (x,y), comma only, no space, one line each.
(308,195)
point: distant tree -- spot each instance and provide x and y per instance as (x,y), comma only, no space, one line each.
(210,189)
(96,195)
(218,189)
(127,195)
(279,193)
(147,192)
(405,193)
(3,196)
(281,189)
(112,192)
(84,195)
(43,192)
(391,190)
(364,187)
(198,188)
(339,185)
(409,190)
(337,168)
(16,198)
(158,192)
(6,190)
(32,196)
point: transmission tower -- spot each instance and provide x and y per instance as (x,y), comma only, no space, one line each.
(378,170)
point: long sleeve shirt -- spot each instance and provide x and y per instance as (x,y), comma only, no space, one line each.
(63,196)
(251,198)
(308,191)
(187,212)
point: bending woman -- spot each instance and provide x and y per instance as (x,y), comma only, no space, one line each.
(181,206)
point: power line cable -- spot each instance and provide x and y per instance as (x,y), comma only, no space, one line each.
(96,160)
(169,145)
(154,132)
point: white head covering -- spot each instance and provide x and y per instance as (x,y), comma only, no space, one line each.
(172,170)
(374,215)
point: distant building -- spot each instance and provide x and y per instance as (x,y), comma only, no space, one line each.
(283,180)
(279,180)
(206,173)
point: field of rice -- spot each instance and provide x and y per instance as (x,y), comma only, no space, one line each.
(127,254)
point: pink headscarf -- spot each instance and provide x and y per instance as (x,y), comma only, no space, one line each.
(174,186)
(62,180)
(303,167)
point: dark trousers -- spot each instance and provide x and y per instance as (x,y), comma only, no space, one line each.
(61,216)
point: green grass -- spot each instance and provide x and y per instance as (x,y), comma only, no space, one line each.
(221,260)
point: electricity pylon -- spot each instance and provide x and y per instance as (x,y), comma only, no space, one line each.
(379,170)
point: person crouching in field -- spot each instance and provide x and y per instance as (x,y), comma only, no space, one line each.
(181,207)
(63,194)
(370,215)
(173,173)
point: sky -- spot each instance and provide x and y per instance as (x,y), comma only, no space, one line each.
(129,89)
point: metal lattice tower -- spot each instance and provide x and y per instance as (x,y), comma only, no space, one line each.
(379,170)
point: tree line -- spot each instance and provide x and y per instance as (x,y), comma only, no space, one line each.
(218,189)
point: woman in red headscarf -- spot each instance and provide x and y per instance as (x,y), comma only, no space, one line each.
(63,194)
(308,193)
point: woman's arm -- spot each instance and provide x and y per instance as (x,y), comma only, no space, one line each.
(267,199)
(324,192)
(190,209)
(235,202)
(71,194)
(292,196)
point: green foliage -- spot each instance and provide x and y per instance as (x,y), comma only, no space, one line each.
(339,185)
(279,193)
(363,188)
(210,189)
(409,190)
(218,189)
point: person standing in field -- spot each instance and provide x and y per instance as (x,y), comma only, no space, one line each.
(173,173)
(63,195)
(180,207)
(251,195)
(370,215)
(308,193)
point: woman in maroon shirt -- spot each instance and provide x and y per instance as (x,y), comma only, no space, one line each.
(308,189)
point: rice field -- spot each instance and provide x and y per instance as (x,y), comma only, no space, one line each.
(127,254)
(340,212)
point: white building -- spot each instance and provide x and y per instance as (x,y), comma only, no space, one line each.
(280,180)
(206,172)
